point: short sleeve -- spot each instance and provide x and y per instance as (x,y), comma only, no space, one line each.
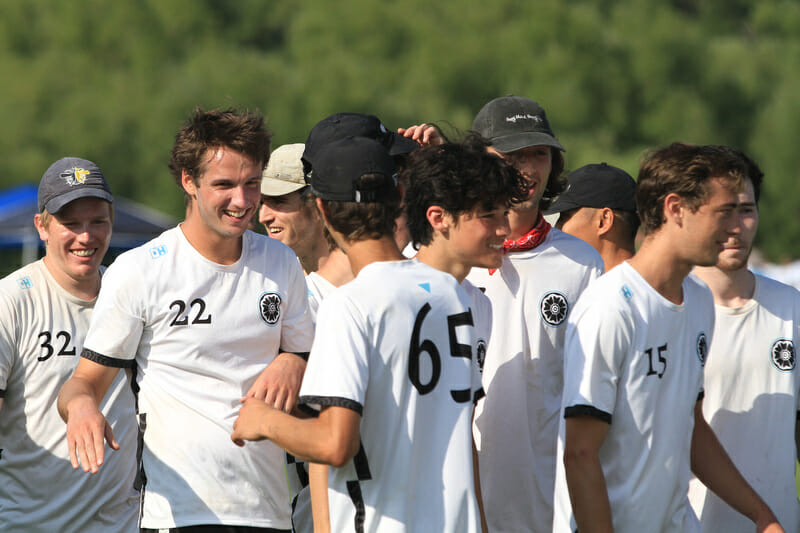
(338,368)
(118,318)
(297,329)
(597,342)
(8,343)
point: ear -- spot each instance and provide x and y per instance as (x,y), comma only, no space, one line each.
(605,220)
(673,209)
(43,233)
(439,219)
(187,182)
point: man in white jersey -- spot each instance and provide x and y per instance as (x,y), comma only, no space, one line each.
(45,309)
(393,364)
(199,313)
(751,377)
(287,212)
(636,344)
(543,273)
(599,207)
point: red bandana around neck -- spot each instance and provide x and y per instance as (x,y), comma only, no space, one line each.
(529,241)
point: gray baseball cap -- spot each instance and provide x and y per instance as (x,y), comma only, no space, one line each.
(284,172)
(511,123)
(69,179)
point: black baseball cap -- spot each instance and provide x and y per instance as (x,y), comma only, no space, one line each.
(514,122)
(341,125)
(597,185)
(69,179)
(340,165)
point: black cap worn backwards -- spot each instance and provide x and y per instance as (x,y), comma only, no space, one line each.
(597,185)
(341,125)
(340,165)
(69,179)
(513,122)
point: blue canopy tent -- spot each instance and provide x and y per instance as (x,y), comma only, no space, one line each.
(134,224)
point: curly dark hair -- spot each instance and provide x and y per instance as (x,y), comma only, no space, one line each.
(459,177)
(241,131)
(686,170)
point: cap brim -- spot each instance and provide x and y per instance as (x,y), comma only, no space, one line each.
(58,203)
(562,204)
(517,141)
(273,187)
(402,145)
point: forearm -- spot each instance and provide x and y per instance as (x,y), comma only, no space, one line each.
(332,438)
(712,465)
(77,393)
(588,493)
(318,487)
(478,494)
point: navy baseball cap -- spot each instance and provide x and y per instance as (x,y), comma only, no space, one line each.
(511,123)
(69,179)
(340,165)
(341,125)
(597,185)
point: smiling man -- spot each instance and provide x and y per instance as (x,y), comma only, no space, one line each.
(752,381)
(637,341)
(287,212)
(199,313)
(45,308)
(542,274)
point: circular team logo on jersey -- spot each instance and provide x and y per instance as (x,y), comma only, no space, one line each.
(702,348)
(553,308)
(783,355)
(480,353)
(269,306)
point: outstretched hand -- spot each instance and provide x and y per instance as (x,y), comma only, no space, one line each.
(87,428)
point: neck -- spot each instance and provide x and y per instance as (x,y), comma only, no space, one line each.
(336,268)
(731,288)
(84,289)
(362,253)
(214,247)
(521,221)
(312,259)
(613,254)
(433,256)
(659,265)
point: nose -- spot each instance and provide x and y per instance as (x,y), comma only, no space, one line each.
(504,228)
(265,214)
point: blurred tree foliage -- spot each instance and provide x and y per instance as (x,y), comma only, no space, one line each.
(112,81)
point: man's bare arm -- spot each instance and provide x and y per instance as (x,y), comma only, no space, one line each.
(78,405)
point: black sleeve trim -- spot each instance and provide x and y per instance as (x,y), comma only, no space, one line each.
(301,355)
(105,360)
(701,395)
(333,401)
(478,395)
(587,410)
(798,415)
(3,395)
(307,409)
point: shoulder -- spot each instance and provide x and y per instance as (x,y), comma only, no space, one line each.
(22,280)
(775,289)
(697,289)
(263,244)
(573,249)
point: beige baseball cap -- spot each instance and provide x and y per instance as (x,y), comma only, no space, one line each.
(284,172)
